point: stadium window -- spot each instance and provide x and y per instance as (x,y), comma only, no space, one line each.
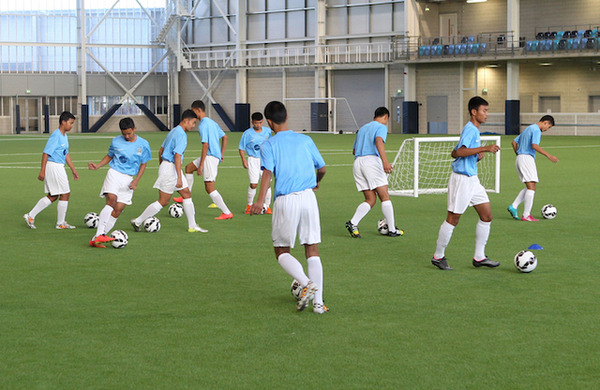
(549,104)
(594,103)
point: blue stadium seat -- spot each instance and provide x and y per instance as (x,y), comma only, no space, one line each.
(482,48)
(463,48)
(576,44)
(426,50)
(535,45)
(528,45)
(475,48)
(450,49)
(580,33)
(437,51)
(471,39)
(421,50)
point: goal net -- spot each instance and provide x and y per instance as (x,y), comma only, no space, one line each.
(423,166)
(335,114)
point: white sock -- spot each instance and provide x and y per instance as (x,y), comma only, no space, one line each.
(190,179)
(388,212)
(519,199)
(110,223)
(293,268)
(102,220)
(268,197)
(39,206)
(362,210)
(218,200)
(443,240)
(482,232)
(528,202)
(61,211)
(190,212)
(251,193)
(315,273)
(151,211)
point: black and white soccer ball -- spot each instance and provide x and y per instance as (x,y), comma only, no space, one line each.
(549,211)
(176,210)
(525,261)
(296,289)
(120,239)
(382,227)
(152,225)
(91,220)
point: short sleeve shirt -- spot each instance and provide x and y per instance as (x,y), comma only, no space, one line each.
(469,138)
(57,147)
(364,144)
(251,141)
(532,135)
(175,143)
(128,156)
(211,133)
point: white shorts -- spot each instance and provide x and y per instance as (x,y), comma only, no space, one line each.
(293,213)
(368,173)
(117,183)
(465,191)
(211,167)
(254,171)
(526,168)
(56,181)
(167,178)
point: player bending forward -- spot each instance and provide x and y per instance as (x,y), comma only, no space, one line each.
(293,159)
(525,147)
(464,189)
(250,144)
(53,174)
(127,157)
(170,176)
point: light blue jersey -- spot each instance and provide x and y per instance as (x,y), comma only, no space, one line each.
(364,144)
(176,142)
(128,156)
(530,136)
(252,140)
(57,147)
(469,138)
(211,133)
(293,159)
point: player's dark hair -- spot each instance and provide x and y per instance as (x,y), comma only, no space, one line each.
(188,114)
(257,116)
(126,123)
(276,112)
(476,102)
(381,111)
(548,118)
(65,116)
(199,104)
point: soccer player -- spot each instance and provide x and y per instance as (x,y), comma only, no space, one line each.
(250,143)
(464,189)
(369,169)
(293,158)
(127,157)
(525,147)
(170,175)
(53,174)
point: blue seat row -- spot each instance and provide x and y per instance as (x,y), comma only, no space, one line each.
(562,44)
(459,49)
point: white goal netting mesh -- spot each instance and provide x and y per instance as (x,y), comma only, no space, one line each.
(423,166)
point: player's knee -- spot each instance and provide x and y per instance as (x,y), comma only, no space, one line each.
(253,186)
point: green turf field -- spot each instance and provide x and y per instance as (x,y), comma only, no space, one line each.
(180,310)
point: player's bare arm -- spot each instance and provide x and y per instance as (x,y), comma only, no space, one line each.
(70,164)
(515,147)
(380,145)
(178,170)
(320,173)
(539,149)
(202,158)
(223,146)
(265,183)
(42,174)
(463,151)
(243,156)
(160,152)
(102,163)
(134,183)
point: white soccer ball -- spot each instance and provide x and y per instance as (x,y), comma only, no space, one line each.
(152,225)
(176,210)
(525,261)
(382,227)
(296,289)
(120,239)
(549,211)
(91,220)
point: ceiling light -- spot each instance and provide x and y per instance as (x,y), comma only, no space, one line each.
(545,63)
(476,1)
(493,65)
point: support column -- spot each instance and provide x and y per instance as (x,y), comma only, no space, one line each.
(241,76)
(83,113)
(512,113)
(321,80)
(410,106)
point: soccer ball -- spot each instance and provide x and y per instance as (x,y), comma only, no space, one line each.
(152,225)
(525,261)
(382,227)
(296,289)
(549,211)
(176,210)
(121,239)
(91,220)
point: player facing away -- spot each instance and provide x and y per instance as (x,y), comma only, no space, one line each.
(464,189)
(127,157)
(525,146)
(293,158)
(170,176)
(370,168)
(250,144)
(53,174)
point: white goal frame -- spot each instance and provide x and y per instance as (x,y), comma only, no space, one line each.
(415,191)
(332,103)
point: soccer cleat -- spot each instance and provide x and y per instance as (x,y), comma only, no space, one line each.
(213,206)
(306,295)
(247,209)
(178,200)
(441,263)
(485,263)
(397,233)
(513,212)
(197,229)
(529,218)
(29,221)
(320,308)
(64,225)
(97,241)
(268,210)
(352,229)
(225,216)
(136,226)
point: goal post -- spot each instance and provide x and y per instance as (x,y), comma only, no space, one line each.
(423,166)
